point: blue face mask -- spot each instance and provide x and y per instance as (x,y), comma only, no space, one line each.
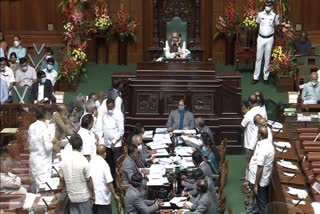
(49,67)
(181,108)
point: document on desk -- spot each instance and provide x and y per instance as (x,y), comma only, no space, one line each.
(282,150)
(316,207)
(157,145)
(189,131)
(48,200)
(28,202)
(147,135)
(282,144)
(184,150)
(161,130)
(9,130)
(157,181)
(176,200)
(298,201)
(163,138)
(161,152)
(295,191)
(186,164)
(287,164)
(157,169)
(316,187)
(52,183)
(165,161)
(193,140)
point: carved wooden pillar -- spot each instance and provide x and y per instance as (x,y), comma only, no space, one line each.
(122,51)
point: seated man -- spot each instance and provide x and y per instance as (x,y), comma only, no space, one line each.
(311,90)
(51,73)
(201,127)
(10,183)
(25,75)
(302,45)
(41,91)
(180,118)
(142,159)
(6,73)
(176,48)
(49,55)
(134,201)
(17,48)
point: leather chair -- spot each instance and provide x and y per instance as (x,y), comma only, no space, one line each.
(177,25)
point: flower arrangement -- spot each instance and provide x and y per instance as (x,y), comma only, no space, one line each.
(102,20)
(282,61)
(124,26)
(250,16)
(227,24)
(71,67)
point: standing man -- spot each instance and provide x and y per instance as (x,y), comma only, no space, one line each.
(260,170)
(102,182)
(180,118)
(110,128)
(267,21)
(75,175)
(17,48)
(115,93)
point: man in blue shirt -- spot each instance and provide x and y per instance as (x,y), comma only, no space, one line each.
(17,48)
(4,93)
(49,54)
(311,90)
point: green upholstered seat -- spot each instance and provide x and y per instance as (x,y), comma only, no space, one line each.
(176,25)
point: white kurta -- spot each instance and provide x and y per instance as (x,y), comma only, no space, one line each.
(40,146)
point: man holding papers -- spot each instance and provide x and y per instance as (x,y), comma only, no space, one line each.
(180,118)
(260,170)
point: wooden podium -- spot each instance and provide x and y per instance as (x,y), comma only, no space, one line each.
(151,93)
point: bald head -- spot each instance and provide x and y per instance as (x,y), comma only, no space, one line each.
(175,37)
(256,119)
(101,150)
(253,100)
(262,133)
(200,122)
(137,139)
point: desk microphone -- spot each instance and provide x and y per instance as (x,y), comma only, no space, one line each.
(279,131)
(316,138)
(54,168)
(292,177)
(48,185)
(45,202)
(298,202)
(284,148)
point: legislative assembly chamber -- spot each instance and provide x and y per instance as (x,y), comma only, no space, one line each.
(159,106)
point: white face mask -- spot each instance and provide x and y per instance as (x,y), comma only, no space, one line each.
(49,67)
(110,111)
(140,147)
(43,80)
(268,8)
(16,43)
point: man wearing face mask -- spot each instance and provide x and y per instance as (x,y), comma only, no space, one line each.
(41,91)
(201,127)
(17,48)
(180,118)
(48,55)
(25,75)
(50,71)
(267,21)
(311,90)
(6,74)
(110,128)
(142,159)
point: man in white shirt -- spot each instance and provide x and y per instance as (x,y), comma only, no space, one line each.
(9,182)
(89,140)
(51,73)
(250,129)
(6,73)
(110,128)
(115,93)
(260,170)
(261,121)
(102,182)
(40,147)
(176,48)
(261,102)
(267,21)
(75,175)
(25,75)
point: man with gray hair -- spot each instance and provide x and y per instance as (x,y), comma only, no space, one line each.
(142,159)
(9,182)
(201,127)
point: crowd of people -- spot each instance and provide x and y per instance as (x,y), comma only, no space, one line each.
(18,75)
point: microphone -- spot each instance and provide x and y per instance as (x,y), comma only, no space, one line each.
(54,168)
(45,202)
(298,202)
(48,185)
(292,177)
(283,149)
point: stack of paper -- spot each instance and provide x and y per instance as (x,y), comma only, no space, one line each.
(157,170)
(184,150)
(163,138)
(316,207)
(161,130)
(298,192)
(164,161)
(282,150)
(157,145)
(28,202)
(304,118)
(147,135)
(192,140)
(9,130)
(157,181)
(293,97)
(282,144)
(161,152)
(287,164)
(191,131)
(178,201)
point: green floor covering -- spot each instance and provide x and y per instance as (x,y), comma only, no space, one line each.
(99,78)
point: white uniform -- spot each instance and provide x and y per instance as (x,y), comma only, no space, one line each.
(265,41)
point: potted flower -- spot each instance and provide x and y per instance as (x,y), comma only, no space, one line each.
(102,21)
(125,29)
(284,67)
(228,26)
(250,14)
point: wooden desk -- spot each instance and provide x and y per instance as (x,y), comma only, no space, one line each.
(156,88)
(289,155)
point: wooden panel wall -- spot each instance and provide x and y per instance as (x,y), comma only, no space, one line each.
(30,19)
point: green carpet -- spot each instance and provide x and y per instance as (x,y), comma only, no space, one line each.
(99,78)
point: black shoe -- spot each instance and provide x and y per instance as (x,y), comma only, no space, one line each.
(266,82)
(254,82)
